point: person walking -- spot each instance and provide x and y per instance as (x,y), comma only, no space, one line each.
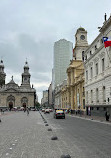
(76,111)
(1,111)
(27,111)
(107,116)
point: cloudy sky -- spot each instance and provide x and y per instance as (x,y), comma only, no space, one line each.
(29,28)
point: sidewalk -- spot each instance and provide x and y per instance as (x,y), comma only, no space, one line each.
(92,118)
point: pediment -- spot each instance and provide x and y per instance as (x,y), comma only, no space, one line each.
(11,90)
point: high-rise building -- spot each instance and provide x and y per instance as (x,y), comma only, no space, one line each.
(44,100)
(63,51)
(50,95)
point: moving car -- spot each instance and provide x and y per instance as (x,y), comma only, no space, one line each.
(59,114)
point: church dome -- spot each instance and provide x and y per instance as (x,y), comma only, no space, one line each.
(81,29)
(1,63)
(26,65)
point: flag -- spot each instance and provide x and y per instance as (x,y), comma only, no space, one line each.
(107,42)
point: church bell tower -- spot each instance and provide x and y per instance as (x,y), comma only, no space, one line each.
(26,76)
(2,74)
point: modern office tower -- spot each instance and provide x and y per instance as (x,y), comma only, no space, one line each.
(44,100)
(63,51)
(50,95)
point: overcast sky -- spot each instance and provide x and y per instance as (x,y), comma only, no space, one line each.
(29,28)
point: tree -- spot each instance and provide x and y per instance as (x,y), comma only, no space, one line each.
(37,105)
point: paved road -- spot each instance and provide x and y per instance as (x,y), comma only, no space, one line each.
(23,136)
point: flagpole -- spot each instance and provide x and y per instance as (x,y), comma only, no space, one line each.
(108,55)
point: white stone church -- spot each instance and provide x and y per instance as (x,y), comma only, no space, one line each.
(12,95)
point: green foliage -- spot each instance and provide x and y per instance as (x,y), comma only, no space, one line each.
(37,105)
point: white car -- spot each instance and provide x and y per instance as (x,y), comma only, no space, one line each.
(43,110)
(47,111)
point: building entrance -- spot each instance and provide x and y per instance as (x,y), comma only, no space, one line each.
(24,105)
(10,105)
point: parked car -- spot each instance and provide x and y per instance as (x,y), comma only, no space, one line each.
(14,109)
(43,110)
(59,114)
(51,110)
(47,111)
(21,109)
(32,109)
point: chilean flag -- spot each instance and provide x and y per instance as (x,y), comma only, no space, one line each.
(107,42)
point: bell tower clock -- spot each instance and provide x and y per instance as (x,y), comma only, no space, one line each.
(81,43)
(26,76)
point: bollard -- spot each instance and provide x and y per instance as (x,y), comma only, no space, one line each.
(54,138)
(65,156)
(49,129)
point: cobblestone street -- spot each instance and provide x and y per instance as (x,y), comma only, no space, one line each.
(23,136)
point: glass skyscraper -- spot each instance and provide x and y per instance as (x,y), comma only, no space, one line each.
(63,52)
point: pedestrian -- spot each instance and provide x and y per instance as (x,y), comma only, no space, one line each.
(1,111)
(107,116)
(27,111)
(24,109)
(76,111)
(80,112)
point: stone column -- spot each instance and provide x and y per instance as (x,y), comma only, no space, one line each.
(72,99)
(68,79)
(76,97)
(72,77)
(81,96)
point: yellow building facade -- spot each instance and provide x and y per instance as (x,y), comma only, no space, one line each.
(75,74)
(73,94)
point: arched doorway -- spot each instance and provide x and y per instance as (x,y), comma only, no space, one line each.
(10,105)
(10,102)
(24,102)
(24,105)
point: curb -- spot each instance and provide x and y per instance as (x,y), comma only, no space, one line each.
(91,119)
